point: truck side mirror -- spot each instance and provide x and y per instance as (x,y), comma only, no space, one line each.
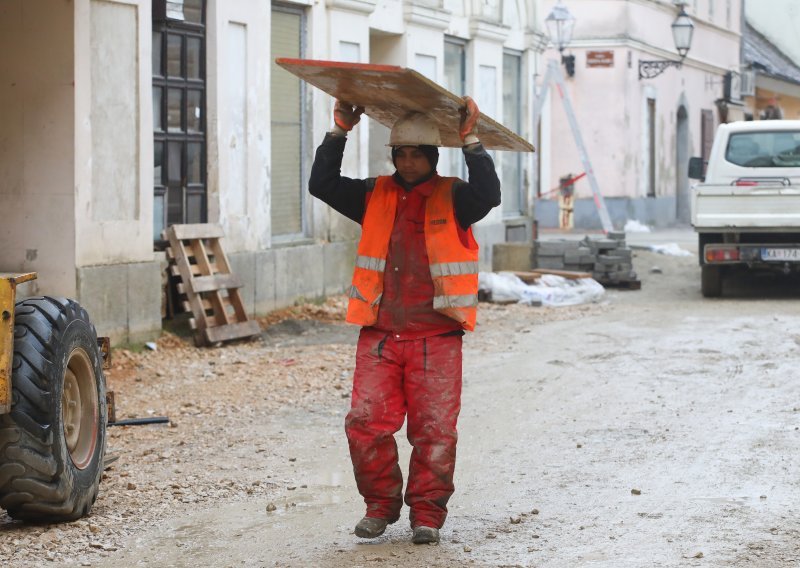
(697,169)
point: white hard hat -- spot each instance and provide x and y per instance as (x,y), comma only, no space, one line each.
(415,129)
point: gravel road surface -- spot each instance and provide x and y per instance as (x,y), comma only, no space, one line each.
(655,428)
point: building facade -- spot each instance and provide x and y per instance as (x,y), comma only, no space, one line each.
(771,60)
(639,132)
(122,117)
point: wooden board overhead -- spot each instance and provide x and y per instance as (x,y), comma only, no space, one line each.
(388,92)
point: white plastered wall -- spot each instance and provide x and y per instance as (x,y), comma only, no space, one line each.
(348,38)
(238,122)
(344,37)
(485,82)
(610,103)
(779,20)
(113,141)
(37,197)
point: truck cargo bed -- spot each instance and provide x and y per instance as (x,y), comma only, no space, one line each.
(725,206)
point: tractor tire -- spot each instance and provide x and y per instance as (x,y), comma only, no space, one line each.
(711,281)
(52,443)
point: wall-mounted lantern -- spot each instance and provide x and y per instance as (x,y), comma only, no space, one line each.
(559,26)
(682,30)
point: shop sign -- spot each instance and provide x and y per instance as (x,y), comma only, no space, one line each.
(600,59)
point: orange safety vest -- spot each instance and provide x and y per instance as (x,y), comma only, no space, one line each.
(453,266)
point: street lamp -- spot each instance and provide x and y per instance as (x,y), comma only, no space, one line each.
(559,26)
(682,30)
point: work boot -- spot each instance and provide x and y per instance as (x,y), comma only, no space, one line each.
(425,535)
(371,527)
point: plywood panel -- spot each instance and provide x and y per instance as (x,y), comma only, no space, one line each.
(388,92)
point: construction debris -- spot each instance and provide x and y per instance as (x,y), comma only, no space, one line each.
(606,259)
(546,290)
(568,274)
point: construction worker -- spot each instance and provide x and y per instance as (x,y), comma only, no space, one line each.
(414,292)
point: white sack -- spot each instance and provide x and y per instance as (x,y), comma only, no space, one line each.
(634,226)
(550,290)
(671,249)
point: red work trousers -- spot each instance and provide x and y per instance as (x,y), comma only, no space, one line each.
(420,379)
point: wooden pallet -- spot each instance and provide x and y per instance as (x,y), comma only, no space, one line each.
(211,289)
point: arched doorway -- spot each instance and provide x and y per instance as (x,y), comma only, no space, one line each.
(682,202)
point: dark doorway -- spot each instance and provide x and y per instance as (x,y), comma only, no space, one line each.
(650,170)
(682,205)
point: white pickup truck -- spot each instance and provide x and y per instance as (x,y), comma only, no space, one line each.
(746,211)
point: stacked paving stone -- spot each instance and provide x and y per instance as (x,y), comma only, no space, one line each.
(608,259)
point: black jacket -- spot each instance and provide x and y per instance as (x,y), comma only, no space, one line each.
(472,199)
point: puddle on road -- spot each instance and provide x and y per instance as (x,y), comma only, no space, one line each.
(241,533)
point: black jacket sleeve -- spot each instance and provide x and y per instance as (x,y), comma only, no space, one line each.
(345,195)
(474,199)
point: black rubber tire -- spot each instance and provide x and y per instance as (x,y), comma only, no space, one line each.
(711,281)
(39,481)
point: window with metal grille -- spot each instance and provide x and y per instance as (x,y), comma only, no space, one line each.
(289,160)
(179,121)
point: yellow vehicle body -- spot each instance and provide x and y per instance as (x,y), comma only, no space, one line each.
(8,294)
(53,411)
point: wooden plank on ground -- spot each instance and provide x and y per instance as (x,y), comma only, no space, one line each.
(570,274)
(527,277)
(389,92)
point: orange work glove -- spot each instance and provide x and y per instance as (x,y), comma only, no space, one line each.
(346,116)
(468,130)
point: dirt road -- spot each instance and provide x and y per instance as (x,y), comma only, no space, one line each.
(654,429)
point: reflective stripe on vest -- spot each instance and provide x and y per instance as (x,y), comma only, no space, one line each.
(444,302)
(354,293)
(371,263)
(453,269)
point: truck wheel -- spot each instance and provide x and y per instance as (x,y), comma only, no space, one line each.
(711,281)
(52,443)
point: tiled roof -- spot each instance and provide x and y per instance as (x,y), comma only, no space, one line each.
(759,53)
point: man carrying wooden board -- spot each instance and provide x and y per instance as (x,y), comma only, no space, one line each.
(414,292)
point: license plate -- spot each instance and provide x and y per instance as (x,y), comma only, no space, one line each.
(781,254)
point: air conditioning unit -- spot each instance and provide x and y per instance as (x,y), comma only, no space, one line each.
(748,83)
(732,87)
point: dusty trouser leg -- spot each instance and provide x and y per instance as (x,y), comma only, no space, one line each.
(377,411)
(433,394)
